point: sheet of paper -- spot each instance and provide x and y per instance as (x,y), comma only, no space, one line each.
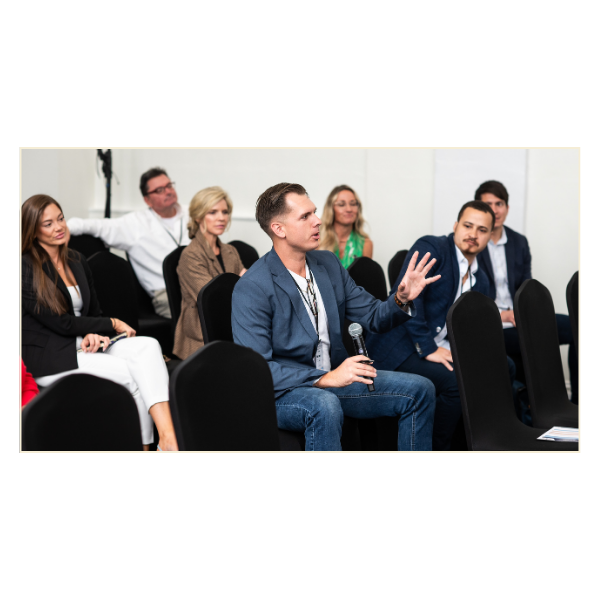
(561,434)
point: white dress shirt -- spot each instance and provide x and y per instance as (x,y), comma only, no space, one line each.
(144,235)
(463,268)
(322,358)
(498,257)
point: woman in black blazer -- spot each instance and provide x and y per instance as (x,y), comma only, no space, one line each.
(60,314)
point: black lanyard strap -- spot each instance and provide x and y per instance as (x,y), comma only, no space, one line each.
(313,306)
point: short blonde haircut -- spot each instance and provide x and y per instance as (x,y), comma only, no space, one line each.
(202,203)
(329,239)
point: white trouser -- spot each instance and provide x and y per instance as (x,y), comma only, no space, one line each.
(136,363)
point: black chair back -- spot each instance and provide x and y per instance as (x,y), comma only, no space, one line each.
(87,245)
(573,306)
(151,324)
(247,253)
(222,398)
(115,287)
(540,349)
(479,359)
(214,308)
(369,275)
(145,306)
(82,412)
(395,266)
(172,284)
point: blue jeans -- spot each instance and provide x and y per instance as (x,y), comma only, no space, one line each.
(319,413)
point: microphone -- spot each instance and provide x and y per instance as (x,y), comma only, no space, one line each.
(355,330)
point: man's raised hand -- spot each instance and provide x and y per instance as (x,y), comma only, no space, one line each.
(414,280)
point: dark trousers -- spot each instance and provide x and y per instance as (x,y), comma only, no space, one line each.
(448,410)
(565,336)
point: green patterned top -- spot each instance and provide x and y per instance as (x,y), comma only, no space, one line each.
(354,249)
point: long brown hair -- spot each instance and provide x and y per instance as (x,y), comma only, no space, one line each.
(329,239)
(46,291)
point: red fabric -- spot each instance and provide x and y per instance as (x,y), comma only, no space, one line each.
(29,388)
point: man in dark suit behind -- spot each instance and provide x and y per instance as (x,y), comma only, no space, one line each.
(507,263)
(421,346)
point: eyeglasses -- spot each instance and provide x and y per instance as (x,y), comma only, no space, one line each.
(353,204)
(161,190)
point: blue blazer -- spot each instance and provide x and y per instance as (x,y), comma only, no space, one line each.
(518,262)
(390,350)
(269,316)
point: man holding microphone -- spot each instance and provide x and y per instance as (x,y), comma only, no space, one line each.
(290,308)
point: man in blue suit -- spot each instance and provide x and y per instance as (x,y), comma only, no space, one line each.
(290,307)
(422,346)
(507,263)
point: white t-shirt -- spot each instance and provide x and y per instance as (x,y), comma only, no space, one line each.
(77,301)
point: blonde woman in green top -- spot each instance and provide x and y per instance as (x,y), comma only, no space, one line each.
(342,226)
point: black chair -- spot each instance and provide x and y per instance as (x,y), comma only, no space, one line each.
(247,253)
(477,343)
(151,324)
(214,310)
(573,305)
(380,433)
(83,413)
(369,275)
(87,245)
(395,266)
(540,349)
(172,284)
(115,285)
(115,288)
(222,398)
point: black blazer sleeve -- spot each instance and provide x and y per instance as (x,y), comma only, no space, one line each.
(66,324)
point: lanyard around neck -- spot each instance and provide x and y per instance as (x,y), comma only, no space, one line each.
(313,307)
(178,243)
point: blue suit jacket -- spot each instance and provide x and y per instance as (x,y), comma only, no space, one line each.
(391,349)
(518,262)
(268,315)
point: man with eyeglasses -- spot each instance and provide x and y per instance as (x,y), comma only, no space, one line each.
(421,347)
(147,236)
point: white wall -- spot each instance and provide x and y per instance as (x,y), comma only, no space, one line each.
(552,222)
(69,176)
(397,187)
(458,173)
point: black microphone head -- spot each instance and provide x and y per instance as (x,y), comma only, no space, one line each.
(355,330)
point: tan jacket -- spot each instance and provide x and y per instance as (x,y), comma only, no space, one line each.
(197,266)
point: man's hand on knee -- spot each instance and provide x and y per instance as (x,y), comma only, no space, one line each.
(442,356)
(352,370)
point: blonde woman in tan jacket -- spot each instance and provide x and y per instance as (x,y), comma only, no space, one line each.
(201,261)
